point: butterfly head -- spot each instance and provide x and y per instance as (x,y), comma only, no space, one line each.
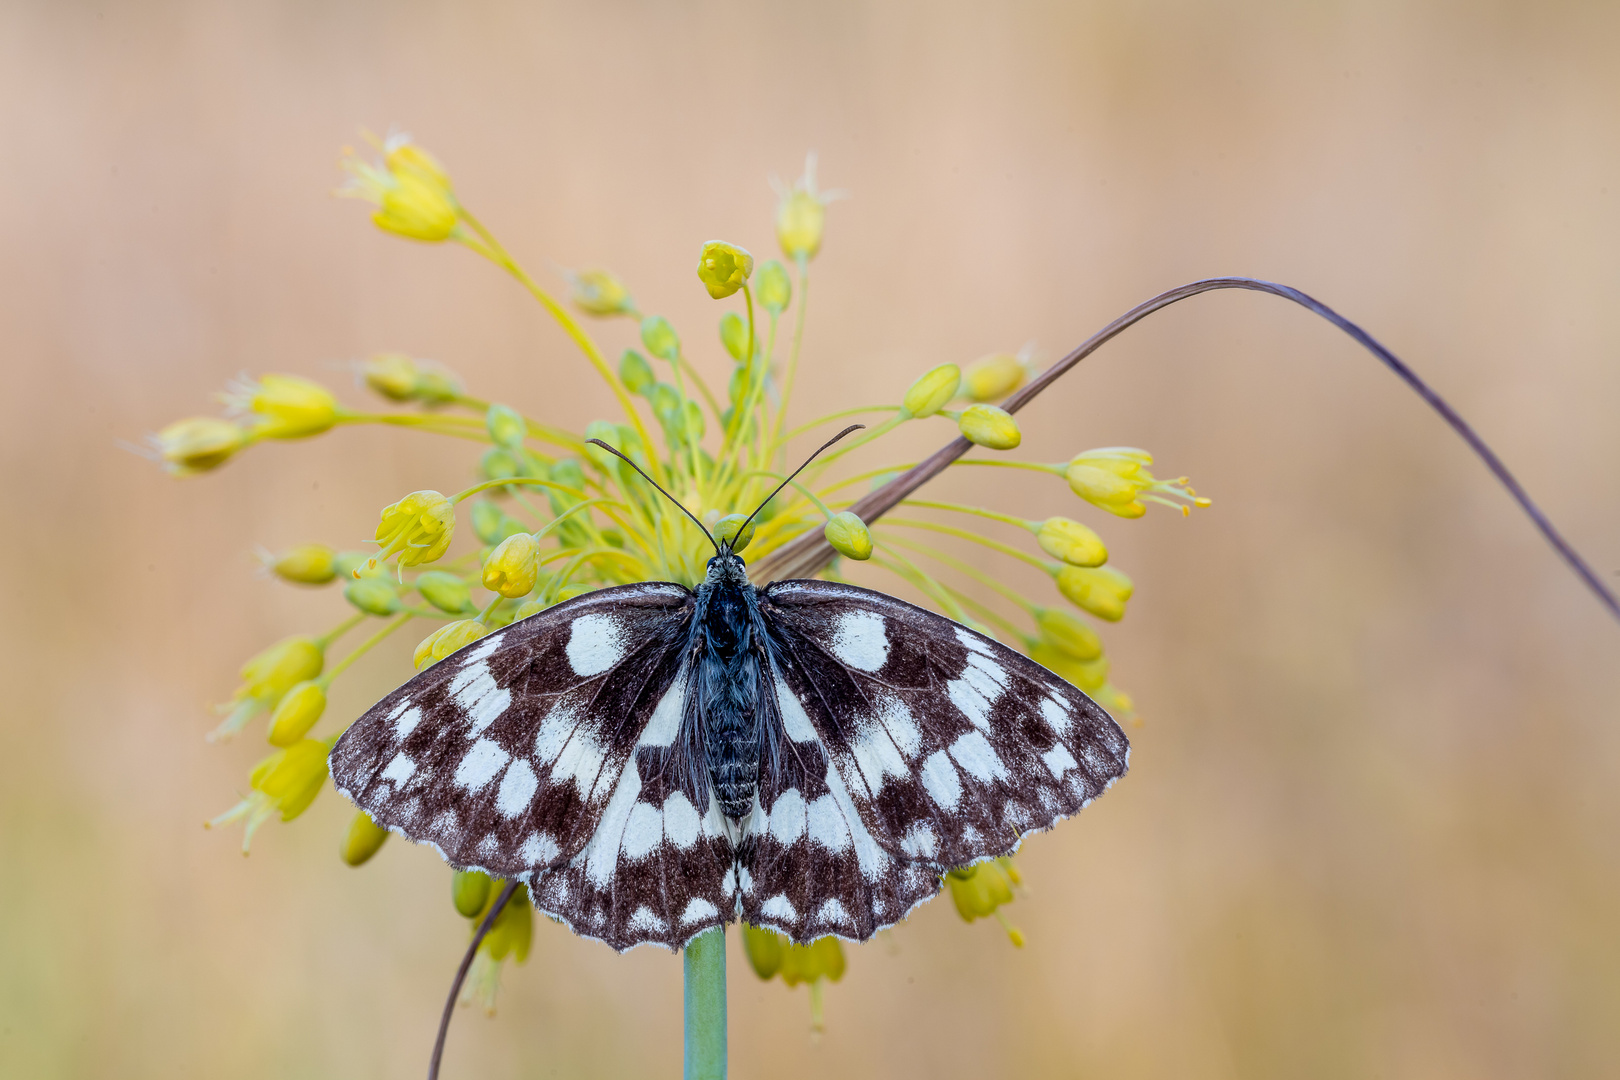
(727,568)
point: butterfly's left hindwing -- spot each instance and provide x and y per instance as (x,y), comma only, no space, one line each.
(938,747)
(542,752)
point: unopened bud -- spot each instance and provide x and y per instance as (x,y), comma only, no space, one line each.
(634,371)
(435,386)
(297,712)
(512,567)
(506,426)
(990,426)
(933,391)
(849,536)
(374,596)
(446,640)
(288,407)
(993,377)
(392,375)
(770,953)
(294,781)
(527,608)
(660,338)
(725,531)
(1072,542)
(1068,634)
(197,445)
(445,591)
(774,287)
(600,293)
(363,840)
(417,207)
(1102,591)
(469,892)
(734,336)
(800,219)
(724,268)
(306,564)
(491,524)
(978,890)
(1088,675)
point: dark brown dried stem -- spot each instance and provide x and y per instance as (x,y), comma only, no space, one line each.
(807,555)
(461,975)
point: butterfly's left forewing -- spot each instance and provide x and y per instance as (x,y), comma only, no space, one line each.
(941,747)
(542,752)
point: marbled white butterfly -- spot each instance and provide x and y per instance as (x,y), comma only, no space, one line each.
(654,762)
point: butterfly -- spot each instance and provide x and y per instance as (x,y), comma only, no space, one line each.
(654,761)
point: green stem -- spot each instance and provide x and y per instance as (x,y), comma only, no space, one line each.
(705,964)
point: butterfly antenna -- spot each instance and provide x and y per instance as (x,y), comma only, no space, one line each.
(461,976)
(796,472)
(661,491)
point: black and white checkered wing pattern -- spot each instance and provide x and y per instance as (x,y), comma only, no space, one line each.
(542,752)
(938,747)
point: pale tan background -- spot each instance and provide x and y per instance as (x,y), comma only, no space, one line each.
(1373,822)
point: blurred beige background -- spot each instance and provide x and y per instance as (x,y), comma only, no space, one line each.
(1373,824)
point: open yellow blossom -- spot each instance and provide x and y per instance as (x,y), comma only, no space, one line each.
(724,268)
(418,528)
(266,677)
(511,568)
(801,214)
(410,189)
(981,889)
(286,782)
(1116,479)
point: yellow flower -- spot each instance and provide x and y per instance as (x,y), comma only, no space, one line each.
(993,377)
(600,293)
(446,640)
(990,427)
(297,712)
(849,536)
(266,677)
(418,528)
(1067,634)
(288,407)
(286,782)
(771,954)
(362,841)
(509,937)
(196,445)
(410,188)
(1116,479)
(1072,542)
(1102,591)
(512,567)
(724,268)
(801,213)
(306,564)
(1088,675)
(979,890)
(932,392)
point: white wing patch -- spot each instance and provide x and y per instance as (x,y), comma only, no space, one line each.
(861,640)
(594,644)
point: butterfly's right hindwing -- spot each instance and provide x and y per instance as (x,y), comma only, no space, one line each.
(506,755)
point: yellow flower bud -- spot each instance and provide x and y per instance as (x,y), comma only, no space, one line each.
(446,640)
(849,536)
(978,890)
(418,528)
(724,268)
(513,931)
(933,391)
(401,155)
(392,375)
(634,371)
(286,782)
(198,444)
(469,892)
(374,596)
(1089,675)
(660,338)
(1072,542)
(506,426)
(800,219)
(512,567)
(774,287)
(725,530)
(306,564)
(416,207)
(445,591)
(527,608)
(770,954)
(297,712)
(993,377)
(1102,591)
(1105,489)
(600,293)
(990,426)
(363,840)
(288,407)
(266,677)
(1068,634)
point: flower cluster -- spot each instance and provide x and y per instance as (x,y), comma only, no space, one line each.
(551,516)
